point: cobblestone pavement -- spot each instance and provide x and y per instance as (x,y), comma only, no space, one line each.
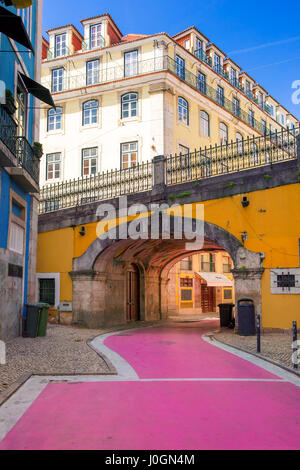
(275,346)
(62,351)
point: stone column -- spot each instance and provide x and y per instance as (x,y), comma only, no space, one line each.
(247,283)
(159,176)
(89,299)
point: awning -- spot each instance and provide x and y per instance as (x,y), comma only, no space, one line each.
(37,90)
(216,280)
(12,26)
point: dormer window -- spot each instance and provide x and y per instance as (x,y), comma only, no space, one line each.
(248,89)
(260,99)
(60,48)
(96,36)
(187,44)
(233,76)
(217,63)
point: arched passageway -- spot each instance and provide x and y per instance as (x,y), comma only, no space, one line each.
(116,281)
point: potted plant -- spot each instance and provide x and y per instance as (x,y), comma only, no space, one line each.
(9,102)
(38,150)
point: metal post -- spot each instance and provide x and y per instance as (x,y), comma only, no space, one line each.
(295,345)
(258,332)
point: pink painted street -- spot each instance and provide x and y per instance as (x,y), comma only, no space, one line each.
(187,394)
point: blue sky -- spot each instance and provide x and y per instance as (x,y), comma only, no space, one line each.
(235,26)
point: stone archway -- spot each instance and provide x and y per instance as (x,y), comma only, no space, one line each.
(99,275)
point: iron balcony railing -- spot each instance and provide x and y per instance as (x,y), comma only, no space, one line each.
(232,157)
(8,130)
(105,185)
(18,145)
(58,52)
(208,267)
(108,74)
(87,46)
(227,268)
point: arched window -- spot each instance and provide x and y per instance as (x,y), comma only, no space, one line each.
(223,133)
(129,104)
(204,124)
(90,113)
(54,119)
(183,110)
(239,143)
(254,154)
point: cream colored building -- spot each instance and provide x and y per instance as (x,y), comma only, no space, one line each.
(122,100)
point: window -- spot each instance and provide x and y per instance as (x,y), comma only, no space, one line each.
(60,49)
(89,161)
(227,294)
(286,280)
(54,119)
(240,143)
(90,113)
(204,124)
(131,63)
(233,77)
(223,133)
(129,154)
(217,63)
(57,80)
(183,110)
(180,67)
(220,95)
(208,263)
(187,44)
(47,291)
(186,295)
(260,99)
(129,105)
(236,107)
(186,264)
(92,72)
(271,110)
(186,282)
(248,89)
(202,82)
(21,113)
(96,39)
(53,166)
(254,153)
(251,119)
(199,44)
(16,239)
(264,127)
(282,119)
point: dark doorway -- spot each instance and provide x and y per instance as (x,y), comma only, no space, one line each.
(133,294)
(208,299)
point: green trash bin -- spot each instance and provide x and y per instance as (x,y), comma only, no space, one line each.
(42,330)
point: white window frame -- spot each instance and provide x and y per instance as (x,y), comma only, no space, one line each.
(54,163)
(54,115)
(89,113)
(204,124)
(89,158)
(133,98)
(95,40)
(129,153)
(60,49)
(183,110)
(131,63)
(180,67)
(56,277)
(223,133)
(93,75)
(58,80)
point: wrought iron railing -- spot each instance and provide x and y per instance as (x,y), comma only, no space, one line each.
(232,157)
(105,185)
(208,267)
(18,145)
(26,157)
(8,129)
(57,53)
(227,268)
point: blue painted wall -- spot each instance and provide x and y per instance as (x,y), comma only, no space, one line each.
(8,62)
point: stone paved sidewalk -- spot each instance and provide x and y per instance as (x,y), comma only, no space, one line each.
(274,346)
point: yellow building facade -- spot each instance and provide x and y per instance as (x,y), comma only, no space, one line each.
(122,100)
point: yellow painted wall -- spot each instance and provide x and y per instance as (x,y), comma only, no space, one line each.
(272,221)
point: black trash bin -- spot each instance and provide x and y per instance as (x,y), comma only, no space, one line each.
(246,317)
(31,321)
(225,314)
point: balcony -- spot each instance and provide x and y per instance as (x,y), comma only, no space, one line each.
(201,54)
(58,53)
(86,45)
(207,267)
(16,154)
(227,268)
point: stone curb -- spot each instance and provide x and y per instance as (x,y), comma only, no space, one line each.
(275,363)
